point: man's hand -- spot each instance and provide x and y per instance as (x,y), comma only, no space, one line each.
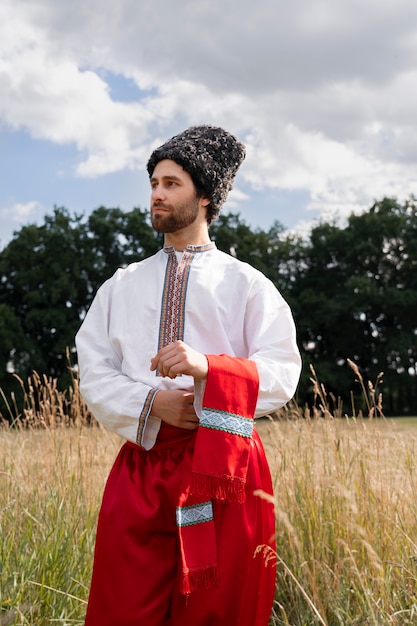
(175,407)
(178,358)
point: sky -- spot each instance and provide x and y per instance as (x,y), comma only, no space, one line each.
(322,92)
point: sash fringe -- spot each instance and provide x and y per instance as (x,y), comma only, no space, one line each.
(226,488)
(193,580)
(218,467)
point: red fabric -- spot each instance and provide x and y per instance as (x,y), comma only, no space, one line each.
(145,567)
(135,577)
(219,463)
(197,543)
(136,552)
(221,459)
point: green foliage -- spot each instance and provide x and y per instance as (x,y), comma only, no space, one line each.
(274,253)
(352,288)
(11,335)
(115,239)
(355,297)
(49,274)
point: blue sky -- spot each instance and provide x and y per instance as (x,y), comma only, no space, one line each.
(322,93)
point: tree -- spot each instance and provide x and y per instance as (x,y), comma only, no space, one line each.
(115,239)
(352,289)
(11,335)
(273,252)
(356,298)
(49,274)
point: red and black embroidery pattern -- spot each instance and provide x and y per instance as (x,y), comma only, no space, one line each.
(174,294)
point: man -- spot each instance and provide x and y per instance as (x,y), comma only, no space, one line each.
(178,353)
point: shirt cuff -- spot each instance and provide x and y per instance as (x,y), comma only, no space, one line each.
(149,425)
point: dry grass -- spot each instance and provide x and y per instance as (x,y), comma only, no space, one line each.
(51,482)
(345,506)
(346,521)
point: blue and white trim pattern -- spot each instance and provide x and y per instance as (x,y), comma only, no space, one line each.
(195,514)
(227,422)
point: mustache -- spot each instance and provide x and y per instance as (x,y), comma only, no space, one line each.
(160,205)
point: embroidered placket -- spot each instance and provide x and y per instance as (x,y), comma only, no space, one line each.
(173,298)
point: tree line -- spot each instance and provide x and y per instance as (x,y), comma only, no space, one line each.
(352,289)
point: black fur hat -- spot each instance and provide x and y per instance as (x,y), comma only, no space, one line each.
(210,155)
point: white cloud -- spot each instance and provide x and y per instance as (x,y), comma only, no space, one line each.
(20,213)
(56,100)
(324,94)
(235,199)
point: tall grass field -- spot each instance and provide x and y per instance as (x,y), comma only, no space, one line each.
(345,501)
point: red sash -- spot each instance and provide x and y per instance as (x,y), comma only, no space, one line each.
(218,468)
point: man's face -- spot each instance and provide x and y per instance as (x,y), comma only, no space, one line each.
(174,201)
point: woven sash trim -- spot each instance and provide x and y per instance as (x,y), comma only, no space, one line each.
(195,514)
(227,422)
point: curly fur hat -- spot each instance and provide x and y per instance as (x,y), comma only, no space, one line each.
(210,155)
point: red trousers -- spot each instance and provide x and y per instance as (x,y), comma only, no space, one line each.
(135,578)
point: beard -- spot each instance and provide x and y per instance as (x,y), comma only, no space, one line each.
(177,217)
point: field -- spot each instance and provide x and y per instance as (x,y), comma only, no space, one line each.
(345,496)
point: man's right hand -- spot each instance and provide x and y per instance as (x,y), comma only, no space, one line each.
(175,407)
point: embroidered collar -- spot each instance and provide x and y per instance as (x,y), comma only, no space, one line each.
(191,248)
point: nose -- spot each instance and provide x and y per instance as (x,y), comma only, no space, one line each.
(157,193)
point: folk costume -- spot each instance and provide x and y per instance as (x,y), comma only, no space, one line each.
(186,529)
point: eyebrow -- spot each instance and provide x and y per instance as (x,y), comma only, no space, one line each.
(168,177)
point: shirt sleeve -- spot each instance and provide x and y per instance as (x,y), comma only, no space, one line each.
(118,402)
(270,337)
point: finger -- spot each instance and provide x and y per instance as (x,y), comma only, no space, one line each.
(163,364)
(161,357)
(189,411)
(172,366)
(168,372)
(157,361)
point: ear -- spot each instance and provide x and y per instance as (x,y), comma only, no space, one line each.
(204,201)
